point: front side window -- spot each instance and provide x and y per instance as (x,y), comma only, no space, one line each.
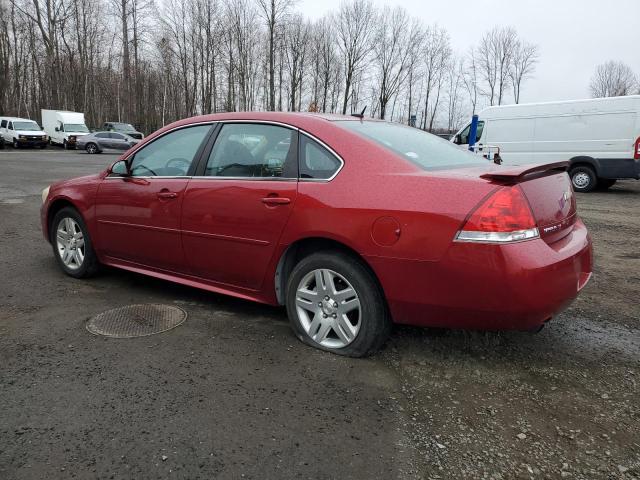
(253,150)
(102,135)
(427,151)
(170,155)
(10,126)
(316,162)
(464,135)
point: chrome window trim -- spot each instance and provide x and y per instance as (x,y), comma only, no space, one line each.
(267,122)
(209,122)
(331,151)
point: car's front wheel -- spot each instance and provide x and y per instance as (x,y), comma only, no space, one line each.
(335,303)
(91,148)
(72,245)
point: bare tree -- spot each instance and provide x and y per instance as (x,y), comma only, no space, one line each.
(613,79)
(354,23)
(496,51)
(392,51)
(471,78)
(436,53)
(273,13)
(523,63)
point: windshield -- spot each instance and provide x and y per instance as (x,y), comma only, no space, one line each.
(421,148)
(127,127)
(28,126)
(75,127)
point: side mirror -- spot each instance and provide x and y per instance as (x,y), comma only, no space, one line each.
(458,140)
(57,129)
(120,168)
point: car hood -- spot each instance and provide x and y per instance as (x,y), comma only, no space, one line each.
(76,181)
(31,132)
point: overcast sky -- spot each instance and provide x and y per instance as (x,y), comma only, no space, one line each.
(573,35)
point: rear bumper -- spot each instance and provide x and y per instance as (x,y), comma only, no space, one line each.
(494,287)
(618,168)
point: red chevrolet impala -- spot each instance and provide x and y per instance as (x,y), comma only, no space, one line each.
(353,224)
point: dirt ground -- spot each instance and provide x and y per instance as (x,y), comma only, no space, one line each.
(232,394)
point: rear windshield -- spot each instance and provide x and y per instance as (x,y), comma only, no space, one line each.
(421,148)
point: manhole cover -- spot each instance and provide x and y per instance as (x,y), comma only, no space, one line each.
(136,321)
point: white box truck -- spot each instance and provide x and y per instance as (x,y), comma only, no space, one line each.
(600,138)
(63,127)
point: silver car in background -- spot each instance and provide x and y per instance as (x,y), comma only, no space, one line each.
(98,142)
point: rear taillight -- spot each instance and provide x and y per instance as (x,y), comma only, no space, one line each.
(503,217)
(636,150)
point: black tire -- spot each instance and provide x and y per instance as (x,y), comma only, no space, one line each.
(65,145)
(91,148)
(42,147)
(375,321)
(90,263)
(15,144)
(583,179)
(605,183)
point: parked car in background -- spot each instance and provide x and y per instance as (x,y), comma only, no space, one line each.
(600,138)
(22,132)
(63,127)
(98,142)
(125,128)
(352,224)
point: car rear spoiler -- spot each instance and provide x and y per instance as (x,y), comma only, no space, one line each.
(515,174)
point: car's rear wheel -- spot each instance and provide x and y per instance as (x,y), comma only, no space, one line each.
(583,178)
(335,303)
(91,148)
(72,245)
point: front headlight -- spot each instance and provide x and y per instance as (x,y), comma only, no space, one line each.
(22,137)
(72,138)
(45,194)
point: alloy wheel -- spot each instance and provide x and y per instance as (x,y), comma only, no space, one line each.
(91,148)
(328,308)
(70,243)
(581,180)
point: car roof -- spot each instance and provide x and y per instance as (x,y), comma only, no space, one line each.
(13,119)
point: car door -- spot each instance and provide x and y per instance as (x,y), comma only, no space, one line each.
(138,216)
(118,141)
(235,210)
(103,140)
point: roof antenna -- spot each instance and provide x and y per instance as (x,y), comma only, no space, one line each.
(361,114)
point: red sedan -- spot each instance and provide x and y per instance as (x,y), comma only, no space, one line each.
(353,224)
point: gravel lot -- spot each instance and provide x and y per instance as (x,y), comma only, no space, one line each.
(232,394)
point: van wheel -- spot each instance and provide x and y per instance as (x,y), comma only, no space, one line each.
(583,178)
(334,303)
(604,183)
(15,143)
(65,145)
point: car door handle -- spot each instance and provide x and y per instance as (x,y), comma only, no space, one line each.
(167,195)
(276,200)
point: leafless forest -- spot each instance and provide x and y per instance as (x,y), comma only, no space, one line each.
(151,62)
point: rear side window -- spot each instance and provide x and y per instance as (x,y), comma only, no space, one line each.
(421,148)
(253,150)
(116,136)
(316,162)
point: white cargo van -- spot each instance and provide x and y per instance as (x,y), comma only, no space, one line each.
(21,132)
(599,137)
(63,127)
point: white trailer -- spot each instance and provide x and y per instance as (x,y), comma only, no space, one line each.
(599,137)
